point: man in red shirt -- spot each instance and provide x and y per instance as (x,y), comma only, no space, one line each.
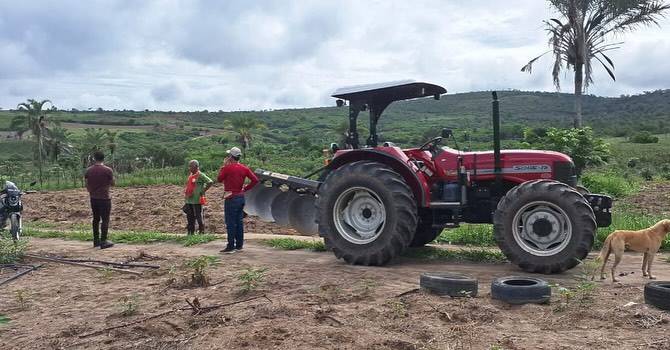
(232,175)
(99,178)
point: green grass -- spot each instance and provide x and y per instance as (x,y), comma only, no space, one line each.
(468,234)
(128,237)
(463,255)
(610,183)
(4,319)
(629,221)
(11,251)
(482,235)
(295,244)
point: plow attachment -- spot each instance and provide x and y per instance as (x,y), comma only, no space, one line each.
(302,215)
(291,206)
(262,202)
(249,198)
(280,207)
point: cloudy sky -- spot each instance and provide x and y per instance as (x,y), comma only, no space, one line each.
(241,55)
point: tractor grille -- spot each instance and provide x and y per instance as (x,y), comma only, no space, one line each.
(565,172)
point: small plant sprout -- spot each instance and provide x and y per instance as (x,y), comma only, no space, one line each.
(251,279)
(200,266)
(22,297)
(129,305)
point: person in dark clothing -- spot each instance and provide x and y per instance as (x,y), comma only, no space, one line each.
(232,175)
(99,178)
(197,184)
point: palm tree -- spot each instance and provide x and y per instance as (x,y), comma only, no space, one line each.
(581,35)
(244,126)
(93,140)
(36,122)
(57,143)
(111,142)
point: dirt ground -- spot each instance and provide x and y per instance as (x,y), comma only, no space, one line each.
(150,208)
(653,198)
(314,302)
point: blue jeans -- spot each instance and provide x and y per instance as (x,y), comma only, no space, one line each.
(234,227)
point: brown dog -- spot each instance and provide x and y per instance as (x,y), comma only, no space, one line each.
(646,241)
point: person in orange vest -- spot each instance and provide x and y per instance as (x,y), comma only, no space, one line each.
(197,184)
(232,175)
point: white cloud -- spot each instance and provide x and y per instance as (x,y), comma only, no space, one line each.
(239,55)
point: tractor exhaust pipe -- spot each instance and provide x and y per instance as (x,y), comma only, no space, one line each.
(497,171)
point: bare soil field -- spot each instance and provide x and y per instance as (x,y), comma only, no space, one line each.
(151,208)
(313,302)
(653,198)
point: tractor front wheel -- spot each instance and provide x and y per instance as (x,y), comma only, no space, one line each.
(544,226)
(367,214)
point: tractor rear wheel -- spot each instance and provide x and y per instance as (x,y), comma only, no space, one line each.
(425,233)
(366,213)
(544,226)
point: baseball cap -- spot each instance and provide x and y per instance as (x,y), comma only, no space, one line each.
(235,152)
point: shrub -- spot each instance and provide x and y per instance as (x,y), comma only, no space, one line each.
(647,174)
(609,183)
(12,251)
(644,137)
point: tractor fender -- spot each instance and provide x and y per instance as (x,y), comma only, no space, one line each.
(392,157)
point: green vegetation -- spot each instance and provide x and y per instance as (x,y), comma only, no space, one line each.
(129,305)
(583,32)
(4,319)
(200,270)
(482,235)
(295,244)
(465,255)
(151,147)
(644,137)
(468,234)
(129,237)
(610,183)
(629,221)
(251,279)
(12,251)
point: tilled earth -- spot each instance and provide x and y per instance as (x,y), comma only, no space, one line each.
(313,302)
(150,208)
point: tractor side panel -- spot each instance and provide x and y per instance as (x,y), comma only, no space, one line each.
(396,160)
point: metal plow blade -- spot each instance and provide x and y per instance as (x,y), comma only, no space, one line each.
(280,207)
(302,215)
(263,201)
(249,198)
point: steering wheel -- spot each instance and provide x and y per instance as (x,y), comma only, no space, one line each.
(432,143)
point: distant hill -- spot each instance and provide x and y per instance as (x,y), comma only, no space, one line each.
(413,121)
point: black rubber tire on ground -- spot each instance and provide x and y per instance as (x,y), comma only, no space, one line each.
(425,233)
(451,284)
(657,293)
(521,290)
(581,220)
(399,205)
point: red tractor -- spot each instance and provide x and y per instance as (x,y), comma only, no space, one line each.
(371,202)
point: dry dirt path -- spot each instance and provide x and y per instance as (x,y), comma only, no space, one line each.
(318,302)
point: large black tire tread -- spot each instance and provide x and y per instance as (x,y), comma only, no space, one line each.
(400,206)
(425,233)
(576,207)
(520,290)
(451,284)
(657,293)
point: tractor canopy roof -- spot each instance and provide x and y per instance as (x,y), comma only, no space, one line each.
(385,93)
(375,98)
